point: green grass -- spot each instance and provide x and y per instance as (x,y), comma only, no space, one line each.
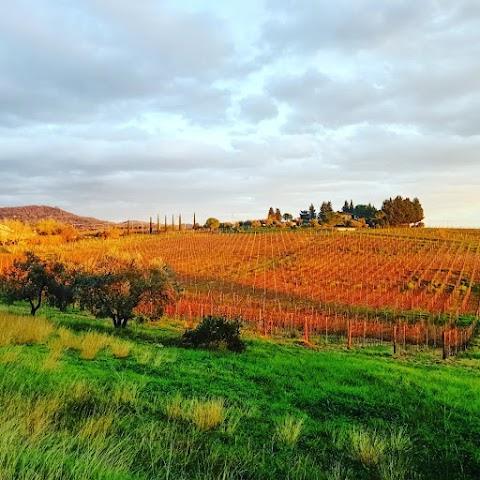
(278,411)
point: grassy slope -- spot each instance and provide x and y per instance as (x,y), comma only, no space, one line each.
(111,418)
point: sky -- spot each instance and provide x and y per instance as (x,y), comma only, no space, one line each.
(124,110)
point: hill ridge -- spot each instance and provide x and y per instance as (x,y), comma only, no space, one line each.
(35,213)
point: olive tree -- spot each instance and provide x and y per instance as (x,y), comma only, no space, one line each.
(212,223)
(119,285)
(35,280)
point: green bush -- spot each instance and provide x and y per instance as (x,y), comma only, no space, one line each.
(216,333)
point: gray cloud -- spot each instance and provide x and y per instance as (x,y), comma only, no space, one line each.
(407,64)
(73,64)
(115,109)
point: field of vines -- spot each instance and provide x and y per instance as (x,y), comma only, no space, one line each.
(410,286)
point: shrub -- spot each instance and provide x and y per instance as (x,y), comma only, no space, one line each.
(216,333)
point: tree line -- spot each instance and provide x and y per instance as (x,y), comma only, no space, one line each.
(113,286)
(394,212)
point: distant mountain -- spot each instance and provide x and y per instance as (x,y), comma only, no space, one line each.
(35,213)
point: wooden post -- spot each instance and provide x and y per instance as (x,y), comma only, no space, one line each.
(194,221)
(349,335)
(179,222)
(151,226)
(394,339)
(444,355)
(305,331)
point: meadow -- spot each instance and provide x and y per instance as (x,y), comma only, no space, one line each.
(81,400)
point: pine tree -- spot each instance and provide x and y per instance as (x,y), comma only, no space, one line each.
(278,214)
(400,211)
(326,212)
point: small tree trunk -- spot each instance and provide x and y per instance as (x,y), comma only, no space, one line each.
(33,307)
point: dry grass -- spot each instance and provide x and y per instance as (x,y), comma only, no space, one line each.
(368,446)
(125,393)
(288,430)
(67,339)
(38,418)
(52,361)
(91,344)
(97,427)
(154,357)
(205,414)
(16,330)
(120,349)
(24,330)
(176,408)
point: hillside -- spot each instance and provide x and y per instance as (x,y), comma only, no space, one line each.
(80,400)
(35,213)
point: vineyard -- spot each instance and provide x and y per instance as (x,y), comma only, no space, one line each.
(415,286)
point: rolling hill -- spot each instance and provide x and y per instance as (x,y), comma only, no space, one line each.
(35,213)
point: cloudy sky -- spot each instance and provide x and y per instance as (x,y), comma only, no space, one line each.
(121,109)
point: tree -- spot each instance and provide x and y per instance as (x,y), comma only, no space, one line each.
(226,226)
(365,211)
(118,285)
(304,217)
(28,280)
(418,214)
(212,223)
(278,215)
(326,212)
(62,289)
(400,211)
(287,217)
(312,212)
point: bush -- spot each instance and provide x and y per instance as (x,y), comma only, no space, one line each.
(216,333)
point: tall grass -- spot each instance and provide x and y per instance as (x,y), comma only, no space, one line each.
(91,344)
(24,330)
(288,430)
(120,349)
(210,416)
(368,446)
(205,414)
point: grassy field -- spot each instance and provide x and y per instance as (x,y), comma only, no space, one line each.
(81,401)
